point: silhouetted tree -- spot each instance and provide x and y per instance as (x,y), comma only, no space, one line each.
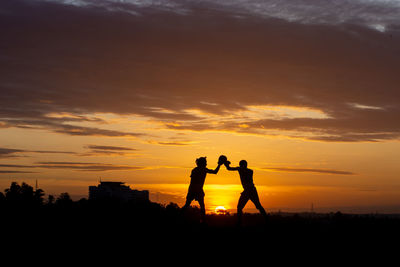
(2,199)
(50,200)
(38,196)
(172,206)
(83,201)
(64,200)
(23,195)
(13,193)
(27,194)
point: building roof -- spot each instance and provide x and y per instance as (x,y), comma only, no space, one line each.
(112,183)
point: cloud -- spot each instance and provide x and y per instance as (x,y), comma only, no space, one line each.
(171,143)
(113,148)
(50,152)
(92,131)
(77,166)
(11,153)
(61,127)
(6,171)
(161,65)
(85,166)
(308,170)
(80,166)
(377,14)
(16,166)
(96,150)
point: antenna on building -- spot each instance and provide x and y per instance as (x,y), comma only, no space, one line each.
(36,185)
(100,179)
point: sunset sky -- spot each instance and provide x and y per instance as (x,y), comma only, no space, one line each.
(307,91)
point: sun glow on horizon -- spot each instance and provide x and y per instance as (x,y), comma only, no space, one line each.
(220,210)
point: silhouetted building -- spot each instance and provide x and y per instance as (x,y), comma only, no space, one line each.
(117,190)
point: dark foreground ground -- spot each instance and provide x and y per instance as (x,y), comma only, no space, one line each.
(135,230)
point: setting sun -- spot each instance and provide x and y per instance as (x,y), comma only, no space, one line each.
(221,210)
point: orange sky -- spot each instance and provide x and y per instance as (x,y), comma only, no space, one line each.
(290,173)
(313,106)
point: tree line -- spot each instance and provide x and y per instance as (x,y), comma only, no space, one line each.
(25,196)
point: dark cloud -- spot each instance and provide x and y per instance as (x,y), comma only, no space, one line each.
(58,59)
(4,172)
(60,127)
(77,166)
(50,152)
(96,150)
(84,166)
(308,170)
(113,148)
(93,131)
(103,153)
(375,14)
(16,166)
(170,143)
(10,153)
